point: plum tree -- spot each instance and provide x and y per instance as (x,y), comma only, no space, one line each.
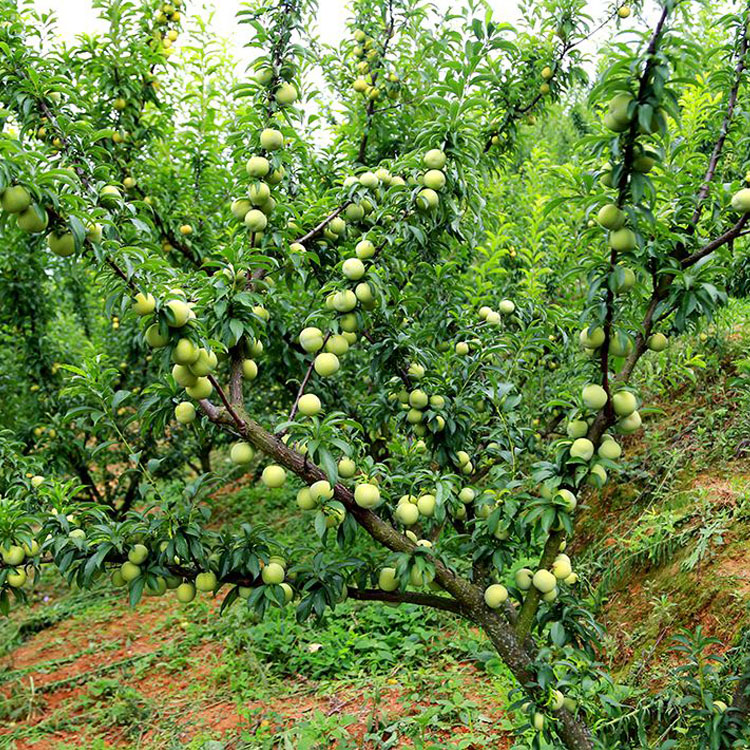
(352,275)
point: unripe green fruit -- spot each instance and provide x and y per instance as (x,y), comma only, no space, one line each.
(463,458)
(506,307)
(186,592)
(309,405)
(77,534)
(117,579)
(495,595)
(644,162)
(15,199)
(434,159)
(741,201)
(561,567)
(364,294)
(240,207)
(462,348)
(467,495)
(631,423)
(347,468)
(610,449)
(257,167)
(138,554)
(624,279)
(426,505)
(62,245)
(311,339)
(273,476)
(286,94)
(13,554)
(611,217)
(202,389)
(18,579)
(272,574)
(144,304)
(337,344)
(354,212)
(241,453)
(31,550)
(367,495)
(271,139)
(620,344)
(582,448)
(407,514)
(657,342)
(434,179)
(622,240)
(255,220)
(264,75)
(249,369)
(95,233)
(206,582)
(594,397)
(349,324)
(184,413)
(305,500)
(258,193)
(369,180)
(624,403)
(321,491)
(597,475)
(568,498)
(183,376)
(185,352)
(577,428)
(592,338)
(205,363)
(178,313)
(345,300)
(109,196)
(326,364)
(418,399)
(427,200)
(155,338)
(364,249)
(414,416)
(538,722)
(387,579)
(353,269)
(544,581)
(129,571)
(30,221)
(524,579)
(618,111)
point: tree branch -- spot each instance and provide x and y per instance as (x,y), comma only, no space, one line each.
(406,597)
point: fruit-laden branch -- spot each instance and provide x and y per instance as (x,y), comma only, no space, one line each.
(723,131)
(316,230)
(566,47)
(660,288)
(715,244)
(469,597)
(305,381)
(533,596)
(371,104)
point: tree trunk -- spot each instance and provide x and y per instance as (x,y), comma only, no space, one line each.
(571,730)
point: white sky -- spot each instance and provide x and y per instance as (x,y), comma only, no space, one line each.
(76,16)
